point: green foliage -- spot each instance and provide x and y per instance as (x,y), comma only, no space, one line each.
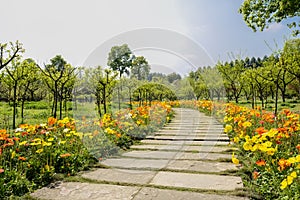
(120,59)
(258,14)
(140,68)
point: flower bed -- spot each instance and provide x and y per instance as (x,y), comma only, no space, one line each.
(268,147)
(32,154)
(268,150)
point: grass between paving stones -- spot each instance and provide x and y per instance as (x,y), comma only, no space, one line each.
(231,172)
(236,192)
(183,159)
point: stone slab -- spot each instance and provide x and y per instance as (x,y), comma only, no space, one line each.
(176,155)
(204,148)
(120,175)
(163,194)
(83,191)
(197,181)
(188,137)
(136,163)
(200,166)
(192,142)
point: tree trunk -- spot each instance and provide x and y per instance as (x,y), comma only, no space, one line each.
(15,105)
(104,99)
(22,110)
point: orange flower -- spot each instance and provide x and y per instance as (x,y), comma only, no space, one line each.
(255,175)
(22,158)
(51,121)
(1,171)
(283,164)
(65,155)
(298,147)
(261,163)
(261,130)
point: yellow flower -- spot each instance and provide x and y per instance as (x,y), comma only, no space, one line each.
(227,128)
(22,143)
(284,184)
(39,150)
(50,139)
(289,180)
(47,143)
(271,151)
(235,160)
(47,168)
(247,124)
(292,160)
(293,174)
(13,154)
(271,133)
(247,146)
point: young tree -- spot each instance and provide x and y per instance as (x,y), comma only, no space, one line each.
(56,76)
(140,68)
(8,55)
(18,74)
(232,77)
(120,59)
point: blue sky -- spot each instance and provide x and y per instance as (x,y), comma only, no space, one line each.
(75,29)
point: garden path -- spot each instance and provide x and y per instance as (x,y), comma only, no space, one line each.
(187,159)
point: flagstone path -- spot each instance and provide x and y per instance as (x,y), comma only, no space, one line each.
(187,159)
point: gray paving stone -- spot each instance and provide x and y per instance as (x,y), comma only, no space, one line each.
(203,148)
(161,194)
(84,191)
(198,181)
(200,166)
(192,142)
(176,155)
(136,163)
(188,137)
(120,175)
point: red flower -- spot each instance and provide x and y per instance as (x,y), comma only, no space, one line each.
(1,171)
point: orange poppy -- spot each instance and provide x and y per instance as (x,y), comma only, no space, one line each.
(261,163)
(51,121)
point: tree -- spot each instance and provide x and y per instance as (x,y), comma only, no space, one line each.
(105,86)
(19,74)
(198,84)
(8,55)
(173,77)
(258,14)
(28,82)
(57,74)
(120,59)
(232,77)
(140,68)
(290,58)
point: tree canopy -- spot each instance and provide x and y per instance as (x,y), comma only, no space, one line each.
(258,14)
